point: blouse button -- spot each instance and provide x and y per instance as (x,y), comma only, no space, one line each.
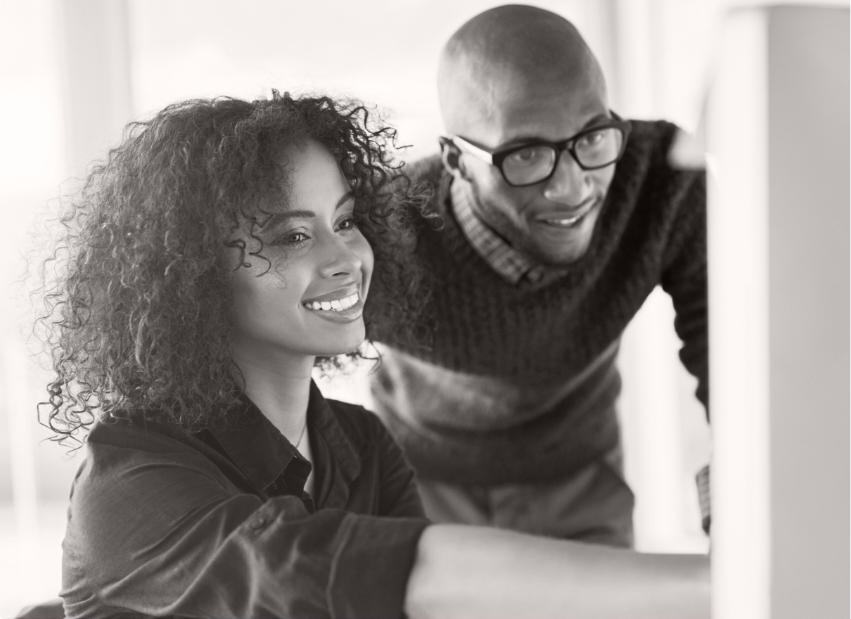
(258,524)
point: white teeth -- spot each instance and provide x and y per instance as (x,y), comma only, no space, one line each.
(564,222)
(334,306)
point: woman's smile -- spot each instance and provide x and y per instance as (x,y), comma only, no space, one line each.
(340,306)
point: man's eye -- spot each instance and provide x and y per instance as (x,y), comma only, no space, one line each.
(528,155)
(592,139)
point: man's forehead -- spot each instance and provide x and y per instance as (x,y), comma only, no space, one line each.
(518,110)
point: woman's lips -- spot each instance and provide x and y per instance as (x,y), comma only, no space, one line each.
(334,305)
(347,309)
(342,305)
(335,295)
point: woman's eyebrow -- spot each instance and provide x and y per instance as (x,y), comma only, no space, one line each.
(279,218)
(345,198)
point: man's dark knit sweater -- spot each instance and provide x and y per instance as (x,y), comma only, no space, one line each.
(520,383)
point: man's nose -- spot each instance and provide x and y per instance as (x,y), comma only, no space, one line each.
(339,259)
(569,184)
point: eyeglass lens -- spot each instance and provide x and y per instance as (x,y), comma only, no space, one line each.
(593,149)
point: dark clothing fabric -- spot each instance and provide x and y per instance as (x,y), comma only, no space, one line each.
(216,524)
(520,382)
(592,506)
(46,610)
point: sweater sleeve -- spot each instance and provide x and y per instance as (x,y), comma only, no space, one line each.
(684,279)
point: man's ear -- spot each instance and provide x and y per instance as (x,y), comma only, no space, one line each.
(451,156)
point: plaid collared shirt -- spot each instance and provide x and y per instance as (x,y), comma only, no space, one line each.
(512,265)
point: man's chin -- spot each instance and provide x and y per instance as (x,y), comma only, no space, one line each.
(561,257)
(561,249)
(563,245)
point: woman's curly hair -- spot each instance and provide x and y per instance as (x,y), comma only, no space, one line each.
(138,315)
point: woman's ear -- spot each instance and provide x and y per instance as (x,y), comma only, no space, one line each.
(451,156)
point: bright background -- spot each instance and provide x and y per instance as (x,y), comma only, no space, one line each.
(73,72)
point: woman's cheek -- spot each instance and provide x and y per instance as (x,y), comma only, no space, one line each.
(364,251)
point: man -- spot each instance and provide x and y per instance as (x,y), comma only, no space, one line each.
(558,220)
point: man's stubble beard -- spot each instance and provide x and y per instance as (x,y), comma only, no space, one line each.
(503,227)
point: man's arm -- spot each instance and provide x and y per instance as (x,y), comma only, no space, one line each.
(684,279)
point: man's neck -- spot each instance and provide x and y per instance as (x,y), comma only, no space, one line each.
(510,263)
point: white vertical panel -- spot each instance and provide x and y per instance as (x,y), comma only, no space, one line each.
(94,57)
(651,427)
(19,408)
(635,70)
(808,116)
(738,304)
(651,407)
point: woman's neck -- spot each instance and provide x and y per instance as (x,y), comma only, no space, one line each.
(279,384)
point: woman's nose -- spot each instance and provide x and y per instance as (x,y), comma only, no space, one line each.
(340,260)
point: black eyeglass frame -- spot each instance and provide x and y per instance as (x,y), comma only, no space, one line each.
(496,157)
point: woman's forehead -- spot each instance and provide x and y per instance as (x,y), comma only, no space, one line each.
(315,178)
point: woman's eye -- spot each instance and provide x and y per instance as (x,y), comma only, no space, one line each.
(291,238)
(347,224)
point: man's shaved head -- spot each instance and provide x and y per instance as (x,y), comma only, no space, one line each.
(517,75)
(507,48)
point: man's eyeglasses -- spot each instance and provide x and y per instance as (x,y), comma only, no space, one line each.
(535,161)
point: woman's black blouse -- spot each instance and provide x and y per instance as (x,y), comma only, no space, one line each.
(216,524)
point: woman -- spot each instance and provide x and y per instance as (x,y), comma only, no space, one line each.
(221,250)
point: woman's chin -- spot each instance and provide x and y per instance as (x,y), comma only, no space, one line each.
(344,346)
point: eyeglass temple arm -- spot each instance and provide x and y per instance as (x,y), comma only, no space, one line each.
(470,148)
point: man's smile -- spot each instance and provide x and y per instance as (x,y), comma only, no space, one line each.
(567,218)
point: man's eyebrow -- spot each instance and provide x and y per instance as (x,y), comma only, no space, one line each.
(599,119)
(278,218)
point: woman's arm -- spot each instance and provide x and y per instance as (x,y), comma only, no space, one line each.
(476,572)
(471,571)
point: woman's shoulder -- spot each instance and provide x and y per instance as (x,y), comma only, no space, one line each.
(130,439)
(141,474)
(126,456)
(131,432)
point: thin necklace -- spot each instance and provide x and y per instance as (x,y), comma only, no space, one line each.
(301,436)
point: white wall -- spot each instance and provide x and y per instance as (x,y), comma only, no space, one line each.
(779,294)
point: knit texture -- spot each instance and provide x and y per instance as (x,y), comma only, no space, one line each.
(545,339)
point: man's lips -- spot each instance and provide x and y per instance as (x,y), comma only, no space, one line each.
(568,217)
